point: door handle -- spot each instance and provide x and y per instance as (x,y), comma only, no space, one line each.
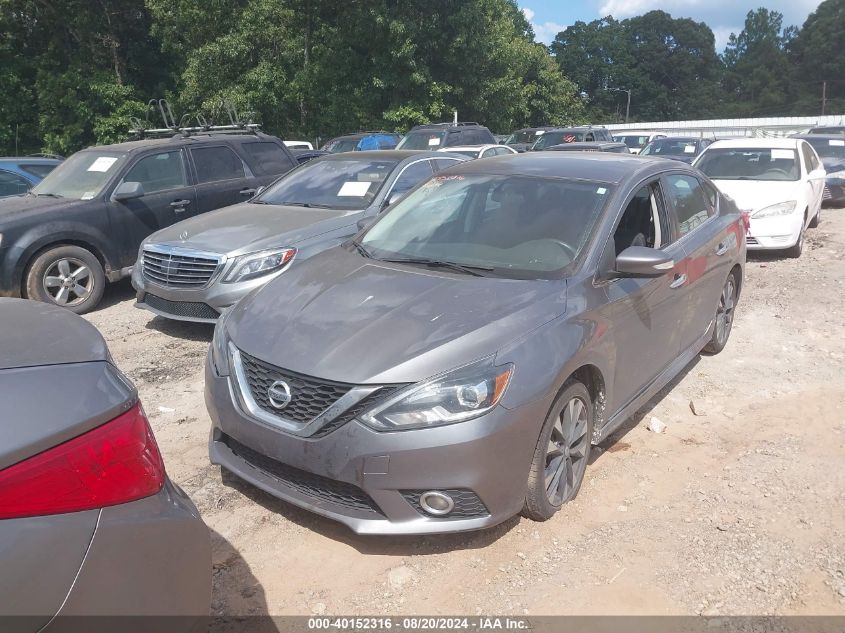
(247,192)
(679,281)
(721,249)
(179,205)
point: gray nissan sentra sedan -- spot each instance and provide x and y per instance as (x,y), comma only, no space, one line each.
(90,524)
(451,365)
(195,269)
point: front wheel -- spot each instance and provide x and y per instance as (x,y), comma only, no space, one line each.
(796,250)
(561,454)
(68,276)
(723,322)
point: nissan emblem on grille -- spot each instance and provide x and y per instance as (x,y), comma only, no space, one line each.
(279,394)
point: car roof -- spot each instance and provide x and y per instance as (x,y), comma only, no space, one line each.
(585,144)
(359,135)
(575,127)
(811,137)
(30,160)
(199,139)
(383,154)
(680,138)
(753,143)
(595,166)
(466,148)
(434,126)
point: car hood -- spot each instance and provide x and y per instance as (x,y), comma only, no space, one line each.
(751,195)
(342,317)
(248,227)
(15,206)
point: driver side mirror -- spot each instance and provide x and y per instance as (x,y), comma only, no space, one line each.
(128,191)
(817,174)
(641,261)
(393,198)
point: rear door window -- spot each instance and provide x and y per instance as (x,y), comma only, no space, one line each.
(810,160)
(691,203)
(216,163)
(266,158)
(413,174)
(159,172)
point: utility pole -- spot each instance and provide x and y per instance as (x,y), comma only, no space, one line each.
(628,107)
(824,96)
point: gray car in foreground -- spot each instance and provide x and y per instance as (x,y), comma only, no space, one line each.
(193,270)
(451,365)
(90,524)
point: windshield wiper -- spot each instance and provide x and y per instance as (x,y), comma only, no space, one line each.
(48,195)
(309,205)
(464,268)
(359,247)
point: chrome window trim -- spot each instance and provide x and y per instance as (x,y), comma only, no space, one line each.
(402,171)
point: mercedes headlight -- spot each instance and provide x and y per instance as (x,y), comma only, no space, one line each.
(459,395)
(254,265)
(781,208)
(220,345)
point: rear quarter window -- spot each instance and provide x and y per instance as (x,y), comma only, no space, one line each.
(266,158)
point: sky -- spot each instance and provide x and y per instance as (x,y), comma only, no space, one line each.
(548,17)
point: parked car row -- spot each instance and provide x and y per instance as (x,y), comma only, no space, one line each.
(19,175)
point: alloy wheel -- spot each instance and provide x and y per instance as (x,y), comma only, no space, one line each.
(68,281)
(566,455)
(725,311)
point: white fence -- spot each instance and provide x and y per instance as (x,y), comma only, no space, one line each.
(759,127)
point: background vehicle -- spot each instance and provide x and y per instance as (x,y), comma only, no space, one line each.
(90,524)
(480,151)
(292,145)
(191,271)
(451,365)
(304,155)
(558,136)
(362,141)
(676,148)
(637,140)
(831,150)
(778,182)
(83,223)
(18,175)
(590,146)
(831,129)
(438,135)
(523,139)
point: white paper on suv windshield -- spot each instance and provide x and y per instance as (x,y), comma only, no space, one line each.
(689,149)
(778,154)
(434,141)
(103,163)
(836,143)
(355,189)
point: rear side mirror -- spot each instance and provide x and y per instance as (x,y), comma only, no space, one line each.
(128,191)
(641,261)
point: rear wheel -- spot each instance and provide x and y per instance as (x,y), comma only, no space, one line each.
(68,276)
(561,454)
(724,319)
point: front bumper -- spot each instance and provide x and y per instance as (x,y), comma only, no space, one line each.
(202,305)
(370,481)
(774,233)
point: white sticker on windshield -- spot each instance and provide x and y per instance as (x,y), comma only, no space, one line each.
(354,188)
(836,143)
(778,154)
(88,194)
(103,163)
(689,149)
(538,132)
(434,141)
(601,191)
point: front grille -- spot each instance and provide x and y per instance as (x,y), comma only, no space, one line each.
(315,486)
(188,309)
(750,240)
(309,396)
(467,504)
(177,270)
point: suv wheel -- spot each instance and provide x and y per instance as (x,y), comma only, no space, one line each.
(561,454)
(68,276)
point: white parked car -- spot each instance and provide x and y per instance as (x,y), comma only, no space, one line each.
(480,151)
(778,182)
(298,144)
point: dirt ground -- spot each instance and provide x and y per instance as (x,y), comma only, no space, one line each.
(739,509)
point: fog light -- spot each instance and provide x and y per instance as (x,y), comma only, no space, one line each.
(436,503)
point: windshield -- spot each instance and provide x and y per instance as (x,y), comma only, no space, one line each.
(671,147)
(472,153)
(524,136)
(341,145)
(422,139)
(749,164)
(633,142)
(828,148)
(330,184)
(557,138)
(508,226)
(82,176)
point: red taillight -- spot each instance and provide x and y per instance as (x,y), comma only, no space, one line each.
(114,463)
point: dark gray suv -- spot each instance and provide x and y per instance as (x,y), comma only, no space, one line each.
(451,365)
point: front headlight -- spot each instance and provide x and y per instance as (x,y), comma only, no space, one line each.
(781,208)
(254,265)
(457,396)
(220,345)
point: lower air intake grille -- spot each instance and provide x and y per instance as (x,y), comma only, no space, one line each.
(188,309)
(751,240)
(315,486)
(467,504)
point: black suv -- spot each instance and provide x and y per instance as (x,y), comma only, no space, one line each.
(83,224)
(438,135)
(580,134)
(523,139)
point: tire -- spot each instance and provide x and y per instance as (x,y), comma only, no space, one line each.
(561,454)
(68,276)
(795,251)
(723,321)
(814,223)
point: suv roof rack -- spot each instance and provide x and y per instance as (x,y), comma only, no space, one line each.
(141,130)
(449,124)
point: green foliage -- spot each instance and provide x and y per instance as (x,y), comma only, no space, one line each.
(816,55)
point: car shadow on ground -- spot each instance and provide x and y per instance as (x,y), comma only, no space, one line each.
(235,590)
(382,545)
(116,293)
(185,330)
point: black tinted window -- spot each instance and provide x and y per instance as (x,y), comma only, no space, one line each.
(413,174)
(444,163)
(158,172)
(41,170)
(692,206)
(12,184)
(216,163)
(266,159)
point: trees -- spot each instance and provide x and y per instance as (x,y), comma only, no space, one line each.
(815,56)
